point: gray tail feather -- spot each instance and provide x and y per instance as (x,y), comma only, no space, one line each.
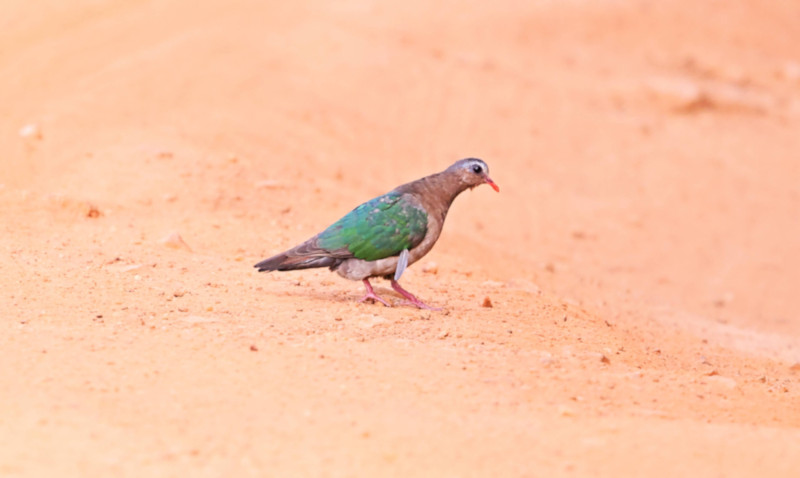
(287,262)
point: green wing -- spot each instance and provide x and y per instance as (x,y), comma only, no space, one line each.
(379,228)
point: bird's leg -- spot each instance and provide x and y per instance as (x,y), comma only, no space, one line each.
(371,295)
(408,295)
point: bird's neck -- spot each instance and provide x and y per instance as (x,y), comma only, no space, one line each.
(436,191)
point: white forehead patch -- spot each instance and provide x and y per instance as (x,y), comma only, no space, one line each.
(468,164)
(479,162)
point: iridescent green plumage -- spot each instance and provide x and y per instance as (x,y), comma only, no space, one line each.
(379,228)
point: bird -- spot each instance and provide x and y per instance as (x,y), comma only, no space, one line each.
(385,235)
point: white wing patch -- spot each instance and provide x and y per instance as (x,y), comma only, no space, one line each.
(402,263)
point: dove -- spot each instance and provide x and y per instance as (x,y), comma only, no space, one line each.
(385,235)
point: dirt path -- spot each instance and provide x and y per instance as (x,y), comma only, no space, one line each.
(642,259)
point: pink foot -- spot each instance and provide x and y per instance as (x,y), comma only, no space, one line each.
(371,295)
(411,299)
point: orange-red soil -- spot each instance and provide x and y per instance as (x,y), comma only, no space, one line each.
(641,261)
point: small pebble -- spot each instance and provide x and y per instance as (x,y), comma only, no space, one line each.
(30,131)
(487,302)
(175,241)
(680,94)
(268,184)
(92,211)
(566,411)
(430,268)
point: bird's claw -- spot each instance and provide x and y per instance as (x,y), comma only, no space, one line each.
(374,298)
(411,298)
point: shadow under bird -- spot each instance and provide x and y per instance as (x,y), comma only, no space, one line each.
(383,236)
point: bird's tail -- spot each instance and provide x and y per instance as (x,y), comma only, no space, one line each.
(304,256)
(282,262)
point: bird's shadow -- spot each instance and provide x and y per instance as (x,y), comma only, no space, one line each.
(344,297)
(396,300)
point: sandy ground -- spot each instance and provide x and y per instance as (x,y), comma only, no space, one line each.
(642,259)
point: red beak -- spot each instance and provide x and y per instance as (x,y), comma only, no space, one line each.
(492,184)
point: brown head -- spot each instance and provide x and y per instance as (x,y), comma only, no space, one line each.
(472,172)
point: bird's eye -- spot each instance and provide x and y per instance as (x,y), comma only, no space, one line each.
(477,169)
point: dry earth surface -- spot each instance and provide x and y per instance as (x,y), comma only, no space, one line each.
(641,260)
